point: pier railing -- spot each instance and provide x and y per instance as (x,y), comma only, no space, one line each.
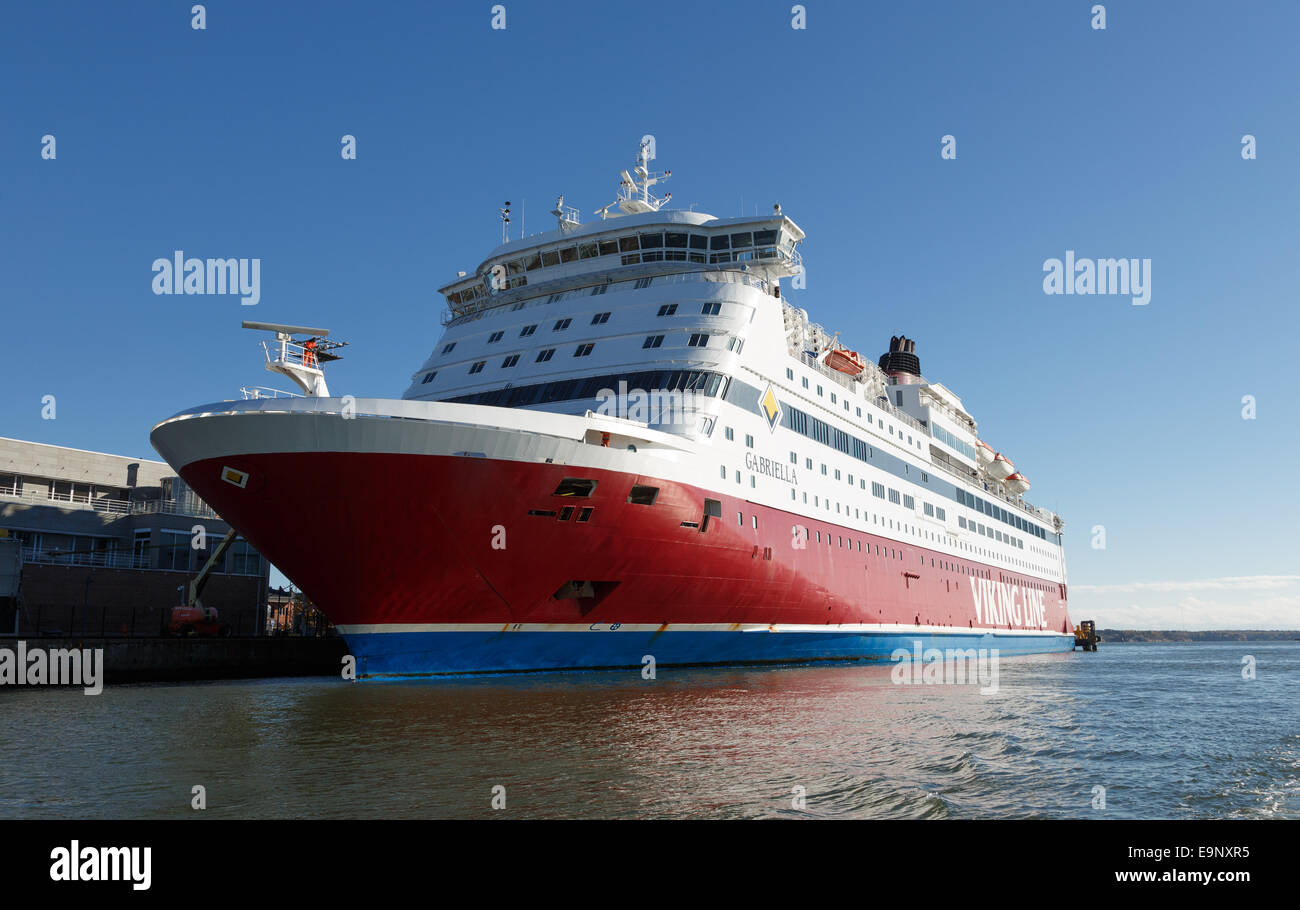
(191,507)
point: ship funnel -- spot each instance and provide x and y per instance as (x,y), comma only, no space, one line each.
(901,362)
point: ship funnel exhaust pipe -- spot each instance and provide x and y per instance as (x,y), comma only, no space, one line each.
(901,362)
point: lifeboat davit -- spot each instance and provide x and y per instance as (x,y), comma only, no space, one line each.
(984,451)
(1000,468)
(845,361)
(1017,483)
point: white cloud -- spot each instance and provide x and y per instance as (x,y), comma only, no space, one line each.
(1169,605)
(1231,583)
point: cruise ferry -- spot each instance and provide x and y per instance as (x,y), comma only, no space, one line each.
(629,445)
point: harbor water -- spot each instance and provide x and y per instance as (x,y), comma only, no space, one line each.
(1166,730)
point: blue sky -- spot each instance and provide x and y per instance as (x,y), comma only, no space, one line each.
(1117,143)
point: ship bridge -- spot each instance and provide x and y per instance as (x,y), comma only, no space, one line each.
(645,297)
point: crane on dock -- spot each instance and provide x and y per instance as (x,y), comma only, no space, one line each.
(192,618)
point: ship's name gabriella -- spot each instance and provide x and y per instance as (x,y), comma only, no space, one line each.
(771,467)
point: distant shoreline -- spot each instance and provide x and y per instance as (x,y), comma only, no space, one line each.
(1114,636)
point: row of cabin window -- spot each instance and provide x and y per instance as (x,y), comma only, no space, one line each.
(697,340)
(878,490)
(952,441)
(702,382)
(582,350)
(789,374)
(824,433)
(670,309)
(635,243)
(979,528)
(1001,514)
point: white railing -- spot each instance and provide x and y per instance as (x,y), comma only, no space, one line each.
(722,274)
(261,391)
(283,351)
(60,500)
(112,506)
(973,480)
(105,559)
(173,507)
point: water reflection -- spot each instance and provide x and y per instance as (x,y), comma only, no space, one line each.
(1160,727)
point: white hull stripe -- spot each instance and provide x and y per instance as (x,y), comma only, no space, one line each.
(844,628)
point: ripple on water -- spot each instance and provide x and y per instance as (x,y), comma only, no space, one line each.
(1169,732)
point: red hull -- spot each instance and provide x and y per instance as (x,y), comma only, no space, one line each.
(378,538)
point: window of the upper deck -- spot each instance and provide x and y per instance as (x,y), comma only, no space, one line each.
(652,247)
(628,246)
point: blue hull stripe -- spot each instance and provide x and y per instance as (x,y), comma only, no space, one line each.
(429,653)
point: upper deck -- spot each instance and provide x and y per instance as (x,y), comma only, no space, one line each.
(667,241)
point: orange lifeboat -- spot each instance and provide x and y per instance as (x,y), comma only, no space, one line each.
(1017,483)
(845,361)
